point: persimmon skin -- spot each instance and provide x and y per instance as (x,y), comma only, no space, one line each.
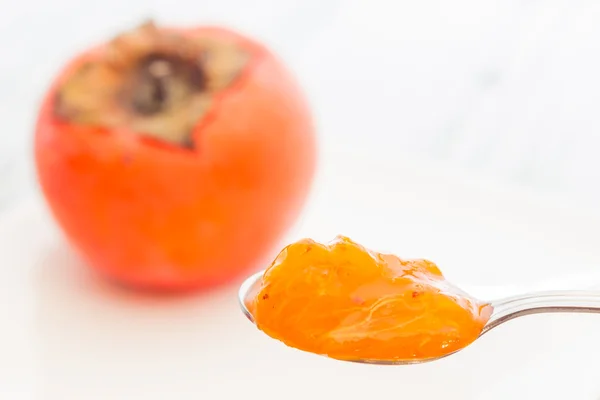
(349,303)
(158,216)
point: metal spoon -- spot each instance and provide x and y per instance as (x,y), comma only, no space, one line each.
(572,294)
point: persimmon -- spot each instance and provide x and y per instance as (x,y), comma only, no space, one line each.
(350,303)
(175,157)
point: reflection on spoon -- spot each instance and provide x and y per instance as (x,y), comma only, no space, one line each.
(349,303)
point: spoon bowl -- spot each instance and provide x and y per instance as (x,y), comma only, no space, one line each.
(248,286)
(551,297)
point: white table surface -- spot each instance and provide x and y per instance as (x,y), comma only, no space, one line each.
(68,335)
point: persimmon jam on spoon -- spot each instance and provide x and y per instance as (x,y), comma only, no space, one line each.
(346,302)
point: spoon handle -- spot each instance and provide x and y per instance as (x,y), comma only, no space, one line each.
(553,301)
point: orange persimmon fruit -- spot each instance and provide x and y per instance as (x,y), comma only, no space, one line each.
(175,158)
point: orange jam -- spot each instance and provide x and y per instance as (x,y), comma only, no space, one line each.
(347,302)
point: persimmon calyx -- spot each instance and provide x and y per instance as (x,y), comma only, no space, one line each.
(152,81)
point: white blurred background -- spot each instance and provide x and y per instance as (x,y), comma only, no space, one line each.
(465,131)
(507,89)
